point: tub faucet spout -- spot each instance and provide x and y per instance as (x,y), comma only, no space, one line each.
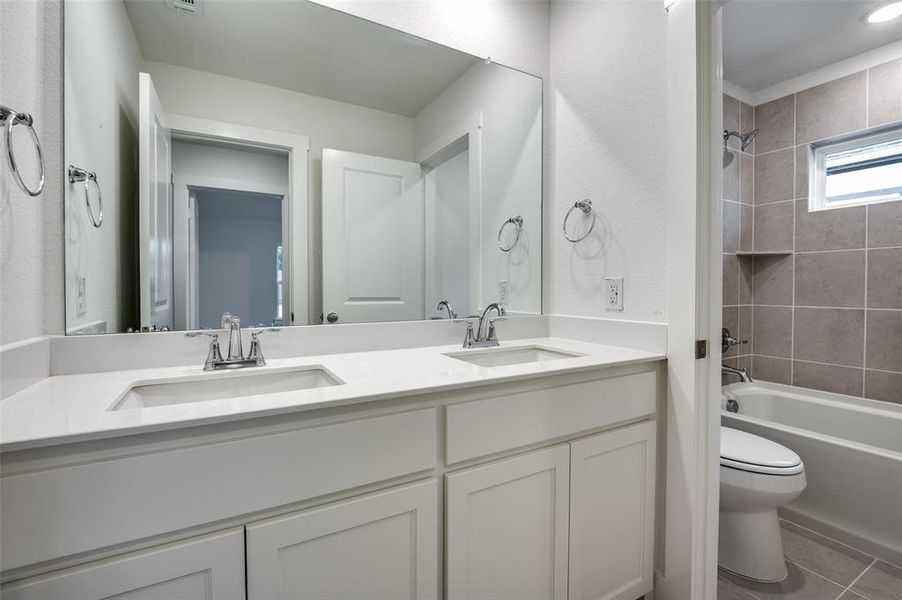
(742,374)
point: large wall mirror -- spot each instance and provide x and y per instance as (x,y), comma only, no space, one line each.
(290,164)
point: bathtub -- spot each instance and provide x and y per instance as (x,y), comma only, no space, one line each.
(852,450)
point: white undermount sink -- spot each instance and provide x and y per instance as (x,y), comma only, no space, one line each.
(221,386)
(505,357)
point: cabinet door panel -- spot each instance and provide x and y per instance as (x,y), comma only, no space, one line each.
(507,528)
(379,546)
(205,568)
(612,502)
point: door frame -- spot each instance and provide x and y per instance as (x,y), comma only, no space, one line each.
(687,559)
(297,147)
(434,153)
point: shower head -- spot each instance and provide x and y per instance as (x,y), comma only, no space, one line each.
(745,139)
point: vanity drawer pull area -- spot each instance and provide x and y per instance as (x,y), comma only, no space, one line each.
(513,420)
(95,505)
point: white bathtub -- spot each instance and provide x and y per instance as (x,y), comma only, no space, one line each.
(852,450)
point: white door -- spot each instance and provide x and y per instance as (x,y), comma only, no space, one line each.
(372,238)
(383,545)
(209,567)
(612,504)
(507,528)
(154,208)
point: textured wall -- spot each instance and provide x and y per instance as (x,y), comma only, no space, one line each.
(826,314)
(101,129)
(31,267)
(608,118)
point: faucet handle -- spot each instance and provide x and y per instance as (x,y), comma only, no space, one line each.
(256,352)
(206,332)
(468,335)
(265,329)
(214,355)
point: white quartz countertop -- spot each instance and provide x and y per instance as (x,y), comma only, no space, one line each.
(72,408)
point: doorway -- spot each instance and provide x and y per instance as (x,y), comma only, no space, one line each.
(231,233)
(447,232)
(235,257)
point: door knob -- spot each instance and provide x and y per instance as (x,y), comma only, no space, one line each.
(332,317)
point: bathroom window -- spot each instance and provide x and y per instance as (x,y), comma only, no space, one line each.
(863,169)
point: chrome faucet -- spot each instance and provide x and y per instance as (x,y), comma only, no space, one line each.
(485,335)
(447,306)
(236,358)
(727,341)
(742,374)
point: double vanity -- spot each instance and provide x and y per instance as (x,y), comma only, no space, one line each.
(527,470)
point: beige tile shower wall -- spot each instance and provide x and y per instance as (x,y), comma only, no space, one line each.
(738,205)
(828,314)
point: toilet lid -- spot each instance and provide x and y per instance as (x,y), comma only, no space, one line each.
(747,452)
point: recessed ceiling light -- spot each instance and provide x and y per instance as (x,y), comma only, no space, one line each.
(884,13)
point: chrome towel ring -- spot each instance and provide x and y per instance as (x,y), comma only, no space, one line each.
(516,222)
(9,119)
(78,174)
(586,207)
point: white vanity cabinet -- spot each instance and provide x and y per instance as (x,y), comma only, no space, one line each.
(612,504)
(383,545)
(539,489)
(507,527)
(572,521)
(210,567)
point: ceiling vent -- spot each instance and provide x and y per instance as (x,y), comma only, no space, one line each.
(194,7)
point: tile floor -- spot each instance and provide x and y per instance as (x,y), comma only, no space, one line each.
(819,569)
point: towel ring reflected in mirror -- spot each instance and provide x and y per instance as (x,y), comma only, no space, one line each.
(77,174)
(587,209)
(9,119)
(516,222)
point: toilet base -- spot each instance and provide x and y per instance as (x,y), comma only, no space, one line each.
(751,545)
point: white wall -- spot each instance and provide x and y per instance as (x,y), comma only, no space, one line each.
(608,144)
(509,104)
(328,124)
(101,130)
(31,287)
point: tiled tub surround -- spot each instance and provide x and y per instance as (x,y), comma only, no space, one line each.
(738,214)
(827,314)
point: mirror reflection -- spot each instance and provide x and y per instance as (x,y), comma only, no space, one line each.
(290,164)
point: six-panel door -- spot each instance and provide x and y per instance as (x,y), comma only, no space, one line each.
(383,545)
(209,567)
(612,504)
(507,528)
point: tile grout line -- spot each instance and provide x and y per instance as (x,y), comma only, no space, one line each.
(835,541)
(813,307)
(854,581)
(864,345)
(824,577)
(792,328)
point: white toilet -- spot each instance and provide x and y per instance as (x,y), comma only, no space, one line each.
(756,477)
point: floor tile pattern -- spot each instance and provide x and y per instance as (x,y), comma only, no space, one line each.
(819,569)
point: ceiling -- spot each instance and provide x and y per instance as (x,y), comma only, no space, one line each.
(770,41)
(300,46)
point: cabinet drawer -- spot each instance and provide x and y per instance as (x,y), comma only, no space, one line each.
(504,422)
(55,513)
(209,567)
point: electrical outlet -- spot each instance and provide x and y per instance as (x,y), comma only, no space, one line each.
(613,293)
(503,291)
(81,303)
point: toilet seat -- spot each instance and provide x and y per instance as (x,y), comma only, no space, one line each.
(754,454)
